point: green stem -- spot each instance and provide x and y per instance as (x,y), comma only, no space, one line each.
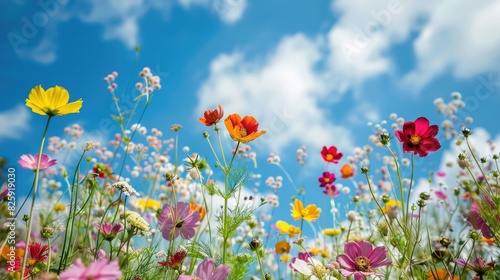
(33,197)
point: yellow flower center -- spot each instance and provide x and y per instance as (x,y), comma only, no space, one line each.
(329,157)
(327,180)
(318,271)
(415,139)
(362,264)
(243,131)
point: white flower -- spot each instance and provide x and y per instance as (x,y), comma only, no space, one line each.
(125,188)
(312,268)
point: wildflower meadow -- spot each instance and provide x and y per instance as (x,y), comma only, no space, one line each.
(142,206)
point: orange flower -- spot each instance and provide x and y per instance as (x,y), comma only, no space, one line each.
(212,117)
(490,241)
(193,206)
(243,130)
(441,274)
(347,171)
(282,247)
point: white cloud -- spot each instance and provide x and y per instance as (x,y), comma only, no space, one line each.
(229,11)
(14,122)
(464,41)
(283,91)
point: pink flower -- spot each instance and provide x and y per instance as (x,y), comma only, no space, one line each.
(181,220)
(440,195)
(475,220)
(360,258)
(331,190)
(327,179)
(30,162)
(418,137)
(108,230)
(330,154)
(206,271)
(98,270)
(478,265)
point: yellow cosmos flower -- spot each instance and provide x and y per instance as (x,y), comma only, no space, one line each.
(53,102)
(310,213)
(285,258)
(389,205)
(149,203)
(285,228)
(315,251)
(332,231)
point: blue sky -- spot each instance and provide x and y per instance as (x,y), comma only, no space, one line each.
(312,72)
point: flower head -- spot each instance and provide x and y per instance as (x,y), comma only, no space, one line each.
(149,203)
(440,274)
(418,137)
(243,130)
(176,259)
(31,162)
(53,102)
(331,190)
(178,220)
(108,230)
(327,179)
(100,269)
(360,258)
(211,117)
(311,268)
(347,171)
(193,206)
(205,271)
(331,154)
(478,265)
(282,247)
(310,213)
(285,228)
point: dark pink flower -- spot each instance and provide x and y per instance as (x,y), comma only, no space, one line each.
(478,265)
(475,220)
(331,154)
(38,252)
(101,269)
(331,190)
(31,162)
(440,195)
(206,271)
(178,220)
(108,230)
(418,137)
(360,258)
(327,179)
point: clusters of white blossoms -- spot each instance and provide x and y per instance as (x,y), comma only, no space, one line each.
(136,220)
(125,187)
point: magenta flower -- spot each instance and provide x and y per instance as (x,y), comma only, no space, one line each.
(331,190)
(360,258)
(206,271)
(108,230)
(4,193)
(30,162)
(478,265)
(475,220)
(98,270)
(327,179)
(418,137)
(178,220)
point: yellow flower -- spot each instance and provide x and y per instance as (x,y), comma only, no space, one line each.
(285,258)
(149,203)
(53,102)
(59,207)
(332,231)
(310,213)
(285,228)
(314,251)
(324,253)
(390,205)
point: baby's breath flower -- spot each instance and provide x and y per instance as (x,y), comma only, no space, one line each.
(125,187)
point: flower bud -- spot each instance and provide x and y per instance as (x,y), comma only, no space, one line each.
(421,203)
(385,198)
(205,134)
(445,242)
(425,196)
(466,132)
(365,170)
(385,138)
(255,245)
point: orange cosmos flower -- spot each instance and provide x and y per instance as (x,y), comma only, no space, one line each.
(193,206)
(243,130)
(440,274)
(282,247)
(212,117)
(347,171)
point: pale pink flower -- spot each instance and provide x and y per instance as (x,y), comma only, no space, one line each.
(98,270)
(205,271)
(31,162)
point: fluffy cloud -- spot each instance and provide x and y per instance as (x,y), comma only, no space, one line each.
(283,91)
(229,11)
(14,122)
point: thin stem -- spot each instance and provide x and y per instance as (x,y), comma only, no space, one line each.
(33,197)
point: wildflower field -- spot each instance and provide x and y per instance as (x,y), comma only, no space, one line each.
(142,207)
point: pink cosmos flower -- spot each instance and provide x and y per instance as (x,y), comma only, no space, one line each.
(178,220)
(475,220)
(478,265)
(205,271)
(360,258)
(98,270)
(108,230)
(440,195)
(327,179)
(30,162)
(418,137)
(331,190)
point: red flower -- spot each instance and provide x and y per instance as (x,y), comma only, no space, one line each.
(418,137)
(38,252)
(212,117)
(243,130)
(176,260)
(327,179)
(331,154)
(103,171)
